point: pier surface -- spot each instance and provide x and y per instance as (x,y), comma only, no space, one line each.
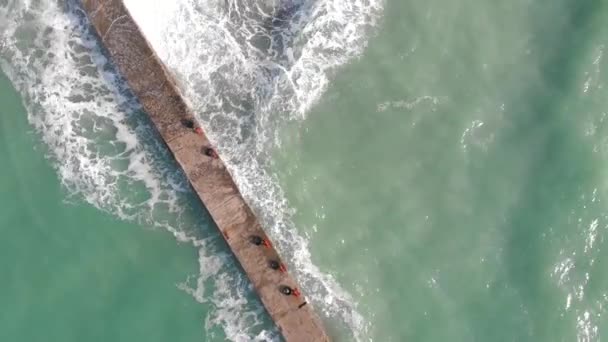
(156,90)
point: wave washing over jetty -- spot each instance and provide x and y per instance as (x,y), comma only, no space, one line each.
(247,67)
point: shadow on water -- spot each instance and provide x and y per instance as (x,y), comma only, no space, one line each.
(272,28)
(195,219)
(138,121)
(542,134)
(280,22)
(270,36)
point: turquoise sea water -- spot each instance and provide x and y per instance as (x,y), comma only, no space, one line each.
(454,177)
(73,273)
(431,171)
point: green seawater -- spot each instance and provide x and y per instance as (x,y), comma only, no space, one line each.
(70,272)
(452,179)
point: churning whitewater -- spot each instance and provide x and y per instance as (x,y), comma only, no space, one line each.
(247,68)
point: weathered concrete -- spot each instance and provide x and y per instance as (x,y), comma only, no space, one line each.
(161,99)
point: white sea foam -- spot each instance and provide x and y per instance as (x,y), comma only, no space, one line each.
(245,74)
(248,67)
(573,272)
(103,148)
(409,105)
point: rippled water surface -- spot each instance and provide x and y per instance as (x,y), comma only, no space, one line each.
(431,170)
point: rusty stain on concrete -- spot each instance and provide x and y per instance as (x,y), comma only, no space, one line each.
(157,92)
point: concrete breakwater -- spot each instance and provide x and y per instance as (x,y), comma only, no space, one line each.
(157,92)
